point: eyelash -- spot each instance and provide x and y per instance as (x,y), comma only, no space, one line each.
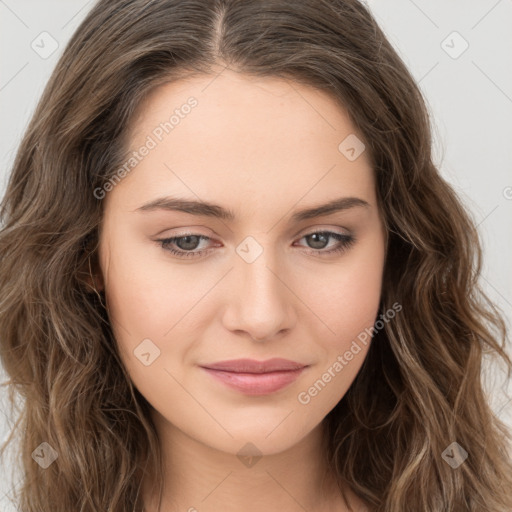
(346,242)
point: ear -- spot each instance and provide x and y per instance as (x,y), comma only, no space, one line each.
(91,276)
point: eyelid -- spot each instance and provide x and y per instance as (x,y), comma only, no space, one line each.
(323,230)
(314,229)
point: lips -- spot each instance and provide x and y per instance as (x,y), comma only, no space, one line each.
(252,377)
(253,366)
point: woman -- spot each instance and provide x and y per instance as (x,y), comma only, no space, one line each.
(232,277)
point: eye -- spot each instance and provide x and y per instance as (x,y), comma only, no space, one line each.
(319,240)
(188,244)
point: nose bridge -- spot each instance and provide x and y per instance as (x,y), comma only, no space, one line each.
(261,304)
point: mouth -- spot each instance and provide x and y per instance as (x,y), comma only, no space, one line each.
(255,377)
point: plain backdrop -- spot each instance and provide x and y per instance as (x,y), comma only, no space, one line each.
(459,51)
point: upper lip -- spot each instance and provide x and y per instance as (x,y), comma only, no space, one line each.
(253,366)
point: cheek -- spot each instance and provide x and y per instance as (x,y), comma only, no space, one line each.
(348,306)
(345,295)
(144,298)
(144,304)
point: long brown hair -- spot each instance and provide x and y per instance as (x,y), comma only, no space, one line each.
(419,389)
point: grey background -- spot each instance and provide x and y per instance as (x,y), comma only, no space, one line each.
(469,94)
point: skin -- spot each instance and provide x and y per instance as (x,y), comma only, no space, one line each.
(263,148)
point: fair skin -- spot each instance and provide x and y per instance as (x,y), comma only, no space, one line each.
(263,149)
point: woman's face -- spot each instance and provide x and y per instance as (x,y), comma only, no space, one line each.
(261,280)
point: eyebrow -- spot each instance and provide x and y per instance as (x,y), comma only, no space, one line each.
(206,209)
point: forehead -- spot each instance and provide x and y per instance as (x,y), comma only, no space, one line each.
(264,139)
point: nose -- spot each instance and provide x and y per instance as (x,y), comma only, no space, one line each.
(260,304)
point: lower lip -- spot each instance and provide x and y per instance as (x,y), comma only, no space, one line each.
(256,383)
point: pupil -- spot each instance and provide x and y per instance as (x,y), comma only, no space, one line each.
(315,237)
(184,242)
